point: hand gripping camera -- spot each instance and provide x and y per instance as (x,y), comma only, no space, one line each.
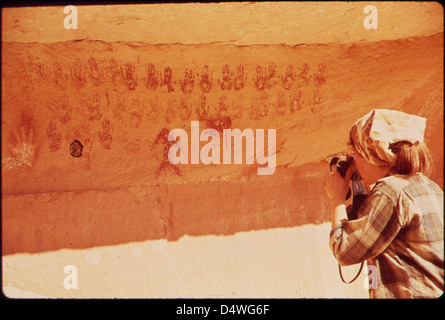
(342,164)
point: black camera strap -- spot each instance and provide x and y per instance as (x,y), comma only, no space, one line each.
(355,278)
(359,196)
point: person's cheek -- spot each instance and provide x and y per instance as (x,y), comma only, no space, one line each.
(359,163)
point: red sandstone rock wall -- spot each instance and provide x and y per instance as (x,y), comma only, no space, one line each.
(120,100)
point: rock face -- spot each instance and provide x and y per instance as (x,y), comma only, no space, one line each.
(85,122)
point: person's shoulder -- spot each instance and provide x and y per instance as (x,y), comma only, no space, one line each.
(413,186)
(393,186)
(394,183)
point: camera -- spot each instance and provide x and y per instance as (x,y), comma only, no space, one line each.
(342,163)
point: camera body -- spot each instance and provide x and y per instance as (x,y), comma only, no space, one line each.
(342,164)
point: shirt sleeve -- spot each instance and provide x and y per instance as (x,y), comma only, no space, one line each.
(358,240)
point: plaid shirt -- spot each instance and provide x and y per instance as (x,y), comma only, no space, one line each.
(399,231)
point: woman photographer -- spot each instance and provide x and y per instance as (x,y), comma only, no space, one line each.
(399,229)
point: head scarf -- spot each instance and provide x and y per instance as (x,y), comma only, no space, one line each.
(375,133)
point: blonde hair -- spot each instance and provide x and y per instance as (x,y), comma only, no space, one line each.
(411,158)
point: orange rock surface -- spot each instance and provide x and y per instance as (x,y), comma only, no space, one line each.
(54,94)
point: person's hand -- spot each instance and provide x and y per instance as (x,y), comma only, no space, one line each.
(337,187)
